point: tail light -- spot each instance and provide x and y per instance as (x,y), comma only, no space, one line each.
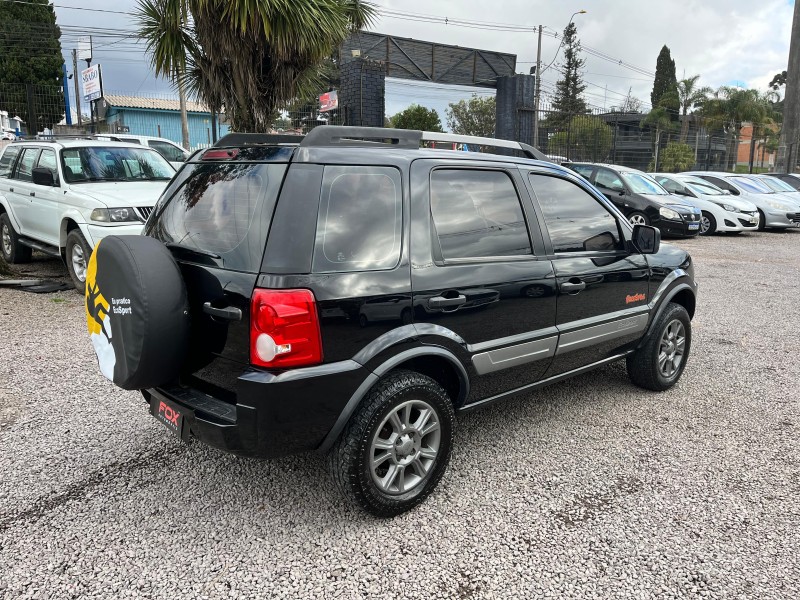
(284,329)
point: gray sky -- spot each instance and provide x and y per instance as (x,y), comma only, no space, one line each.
(727,42)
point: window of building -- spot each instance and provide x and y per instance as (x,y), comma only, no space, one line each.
(477,214)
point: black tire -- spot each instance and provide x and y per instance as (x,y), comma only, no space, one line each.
(643,365)
(13,252)
(362,320)
(77,249)
(638,215)
(350,459)
(712,224)
(762,220)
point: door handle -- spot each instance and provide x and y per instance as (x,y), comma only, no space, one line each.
(572,287)
(10,189)
(229,313)
(442,302)
(32,194)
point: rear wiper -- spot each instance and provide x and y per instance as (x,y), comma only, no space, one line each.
(193,250)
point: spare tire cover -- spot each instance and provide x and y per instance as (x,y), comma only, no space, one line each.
(136,311)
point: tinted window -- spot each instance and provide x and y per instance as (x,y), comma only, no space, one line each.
(224,209)
(7,160)
(477,214)
(583,170)
(25,164)
(721,184)
(669,185)
(643,184)
(608,179)
(114,163)
(168,151)
(360,224)
(577,222)
(47,160)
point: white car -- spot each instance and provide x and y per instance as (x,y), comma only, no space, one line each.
(62,197)
(166,148)
(8,135)
(775,210)
(721,211)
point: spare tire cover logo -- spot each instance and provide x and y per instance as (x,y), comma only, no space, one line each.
(99,314)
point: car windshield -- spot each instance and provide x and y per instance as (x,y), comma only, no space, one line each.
(777,185)
(751,185)
(704,188)
(642,184)
(114,163)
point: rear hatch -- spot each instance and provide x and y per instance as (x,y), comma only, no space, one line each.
(215,217)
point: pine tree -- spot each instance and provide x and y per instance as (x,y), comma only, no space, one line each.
(30,53)
(567,100)
(665,86)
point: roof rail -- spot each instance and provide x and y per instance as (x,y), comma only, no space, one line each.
(529,151)
(232,140)
(338,135)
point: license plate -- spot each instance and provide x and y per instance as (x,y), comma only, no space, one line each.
(694,225)
(169,414)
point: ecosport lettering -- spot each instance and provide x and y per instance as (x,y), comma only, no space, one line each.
(118,306)
(635,298)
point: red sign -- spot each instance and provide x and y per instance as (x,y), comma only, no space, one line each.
(328,101)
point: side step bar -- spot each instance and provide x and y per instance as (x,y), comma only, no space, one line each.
(46,248)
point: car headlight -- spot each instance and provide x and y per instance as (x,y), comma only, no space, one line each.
(776,205)
(729,208)
(114,215)
(668,213)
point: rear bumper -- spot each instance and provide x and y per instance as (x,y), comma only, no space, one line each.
(275,414)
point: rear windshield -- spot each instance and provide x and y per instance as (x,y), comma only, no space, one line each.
(223,209)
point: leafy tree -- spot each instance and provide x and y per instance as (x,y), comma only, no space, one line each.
(252,57)
(568,100)
(690,96)
(475,116)
(30,53)
(585,138)
(417,117)
(666,84)
(674,158)
(778,80)
(729,108)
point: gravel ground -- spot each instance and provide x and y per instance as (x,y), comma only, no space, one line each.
(588,489)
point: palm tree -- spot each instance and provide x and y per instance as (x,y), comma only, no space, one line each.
(690,96)
(248,56)
(729,108)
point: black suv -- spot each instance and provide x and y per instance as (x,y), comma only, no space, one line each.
(641,199)
(351,292)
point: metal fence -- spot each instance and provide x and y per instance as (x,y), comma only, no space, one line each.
(38,107)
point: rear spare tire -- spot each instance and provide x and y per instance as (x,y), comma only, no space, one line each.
(136,311)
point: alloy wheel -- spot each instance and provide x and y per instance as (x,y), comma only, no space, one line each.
(705,224)
(671,348)
(78,262)
(405,447)
(6,237)
(637,220)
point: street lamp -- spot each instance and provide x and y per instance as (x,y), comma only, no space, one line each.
(539,77)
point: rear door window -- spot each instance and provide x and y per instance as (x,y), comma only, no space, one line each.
(606,178)
(24,171)
(223,209)
(7,160)
(477,214)
(583,170)
(168,151)
(360,221)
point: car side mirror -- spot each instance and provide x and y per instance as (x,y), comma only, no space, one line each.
(621,192)
(43,176)
(646,239)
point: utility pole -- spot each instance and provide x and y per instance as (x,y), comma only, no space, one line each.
(791,101)
(538,91)
(76,76)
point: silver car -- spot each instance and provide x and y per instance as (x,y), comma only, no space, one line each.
(776,211)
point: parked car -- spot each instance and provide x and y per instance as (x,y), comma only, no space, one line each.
(721,211)
(241,320)
(641,199)
(793,179)
(779,186)
(8,135)
(61,197)
(775,210)
(166,148)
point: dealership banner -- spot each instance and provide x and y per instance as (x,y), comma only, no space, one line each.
(92,83)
